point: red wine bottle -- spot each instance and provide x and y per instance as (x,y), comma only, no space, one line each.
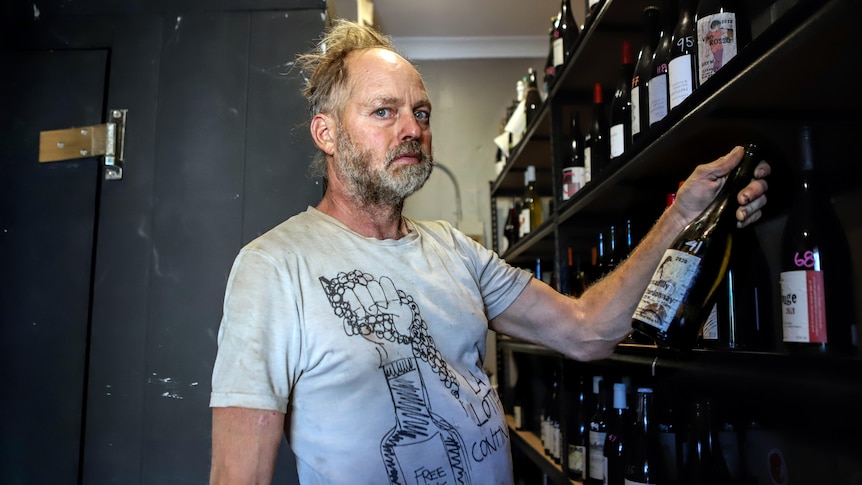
(597,143)
(816,282)
(657,88)
(681,292)
(638,94)
(704,463)
(598,433)
(573,175)
(532,97)
(616,438)
(643,462)
(576,432)
(682,68)
(565,36)
(722,31)
(743,307)
(621,106)
(550,70)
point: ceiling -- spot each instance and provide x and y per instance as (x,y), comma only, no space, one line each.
(458,29)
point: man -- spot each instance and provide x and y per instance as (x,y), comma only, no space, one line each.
(367,330)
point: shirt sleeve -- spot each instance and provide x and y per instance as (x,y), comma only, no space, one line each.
(252,362)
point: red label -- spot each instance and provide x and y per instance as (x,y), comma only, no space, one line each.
(816,307)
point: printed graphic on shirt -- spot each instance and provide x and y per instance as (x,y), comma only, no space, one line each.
(422,447)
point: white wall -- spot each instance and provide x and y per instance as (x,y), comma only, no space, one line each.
(469,100)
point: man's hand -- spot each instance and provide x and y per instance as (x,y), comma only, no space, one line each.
(703,185)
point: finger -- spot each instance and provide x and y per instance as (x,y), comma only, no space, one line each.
(751,192)
(748,212)
(388,289)
(762,169)
(723,165)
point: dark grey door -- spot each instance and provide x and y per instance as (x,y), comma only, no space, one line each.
(111,291)
(48,215)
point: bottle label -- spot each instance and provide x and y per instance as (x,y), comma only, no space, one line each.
(803,306)
(576,459)
(636,110)
(617,140)
(588,164)
(710,326)
(524,222)
(573,180)
(657,98)
(680,80)
(716,43)
(559,53)
(670,282)
(597,454)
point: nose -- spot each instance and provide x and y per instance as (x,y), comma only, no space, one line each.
(410,129)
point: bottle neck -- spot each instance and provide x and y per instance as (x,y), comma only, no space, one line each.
(408,392)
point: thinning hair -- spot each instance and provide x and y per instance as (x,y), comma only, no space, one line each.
(325,71)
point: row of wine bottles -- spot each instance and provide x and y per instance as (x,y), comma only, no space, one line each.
(616,433)
(816,281)
(683,45)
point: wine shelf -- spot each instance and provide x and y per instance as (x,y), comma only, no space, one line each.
(796,68)
(532,446)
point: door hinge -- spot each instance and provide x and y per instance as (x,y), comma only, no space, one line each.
(88,141)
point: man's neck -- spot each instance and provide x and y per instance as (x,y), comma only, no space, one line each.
(379,222)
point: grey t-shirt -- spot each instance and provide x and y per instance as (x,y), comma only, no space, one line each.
(373,348)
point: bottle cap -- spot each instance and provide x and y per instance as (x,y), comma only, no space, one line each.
(619,395)
(596,383)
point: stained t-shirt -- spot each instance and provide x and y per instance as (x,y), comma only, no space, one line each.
(373,348)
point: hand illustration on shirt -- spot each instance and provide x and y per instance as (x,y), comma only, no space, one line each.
(385,316)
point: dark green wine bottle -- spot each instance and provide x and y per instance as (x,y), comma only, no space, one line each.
(682,290)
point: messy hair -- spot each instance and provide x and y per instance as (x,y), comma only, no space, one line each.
(325,72)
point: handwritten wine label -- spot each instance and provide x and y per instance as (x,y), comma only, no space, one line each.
(669,284)
(803,306)
(716,43)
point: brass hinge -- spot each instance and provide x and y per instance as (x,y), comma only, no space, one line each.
(88,141)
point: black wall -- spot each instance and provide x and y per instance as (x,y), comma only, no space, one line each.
(216,153)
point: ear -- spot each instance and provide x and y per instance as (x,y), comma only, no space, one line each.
(323,134)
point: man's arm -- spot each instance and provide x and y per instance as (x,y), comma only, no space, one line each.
(245,445)
(589,327)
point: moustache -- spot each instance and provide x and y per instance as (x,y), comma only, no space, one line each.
(408,148)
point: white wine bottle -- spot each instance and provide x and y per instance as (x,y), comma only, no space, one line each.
(816,280)
(682,290)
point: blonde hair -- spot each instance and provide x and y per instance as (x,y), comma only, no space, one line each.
(324,67)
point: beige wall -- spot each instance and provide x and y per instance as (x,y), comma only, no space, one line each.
(469,99)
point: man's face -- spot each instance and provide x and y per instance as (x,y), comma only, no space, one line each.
(383,141)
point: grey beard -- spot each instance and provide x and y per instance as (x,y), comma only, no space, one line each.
(383,186)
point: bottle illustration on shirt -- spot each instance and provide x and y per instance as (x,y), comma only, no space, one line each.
(422,447)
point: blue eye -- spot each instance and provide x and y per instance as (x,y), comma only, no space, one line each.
(382,112)
(422,115)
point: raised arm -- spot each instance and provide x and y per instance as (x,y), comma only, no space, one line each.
(589,327)
(245,445)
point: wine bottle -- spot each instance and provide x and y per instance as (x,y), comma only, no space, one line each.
(621,106)
(592,8)
(607,251)
(681,291)
(576,433)
(657,89)
(531,206)
(643,462)
(405,449)
(550,71)
(566,35)
(555,433)
(615,439)
(638,93)
(721,32)
(670,439)
(596,142)
(577,275)
(704,462)
(573,174)
(816,279)
(532,98)
(598,433)
(743,316)
(510,230)
(682,68)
